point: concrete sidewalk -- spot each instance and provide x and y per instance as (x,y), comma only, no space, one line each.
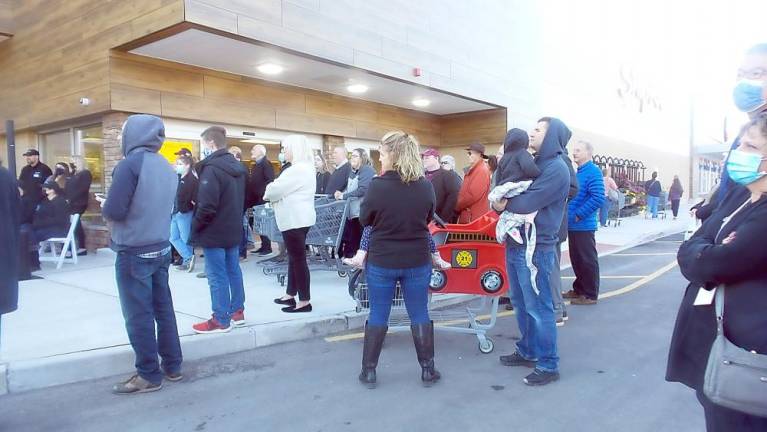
(69,326)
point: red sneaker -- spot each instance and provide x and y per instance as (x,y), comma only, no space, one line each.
(211,326)
(238,318)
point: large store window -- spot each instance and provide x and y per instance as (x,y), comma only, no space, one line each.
(56,147)
(90,144)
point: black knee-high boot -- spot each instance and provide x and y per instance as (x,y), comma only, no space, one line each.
(423,338)
(374,339)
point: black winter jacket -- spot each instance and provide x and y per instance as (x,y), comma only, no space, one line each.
(78,191)
(739,266)
(261,174)
(322,183)
(217,221)
(517,163)
(338,179)
(52,214)
(446,185)
(9,239)
(186,194)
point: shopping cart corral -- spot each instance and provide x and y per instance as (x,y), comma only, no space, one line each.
(323,238)
(463,299)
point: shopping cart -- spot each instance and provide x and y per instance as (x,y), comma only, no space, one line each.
(323,238)
(463,299)
(614,215)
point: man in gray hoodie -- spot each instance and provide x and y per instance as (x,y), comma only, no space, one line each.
(138,211)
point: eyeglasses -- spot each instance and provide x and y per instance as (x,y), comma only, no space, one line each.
(444,163)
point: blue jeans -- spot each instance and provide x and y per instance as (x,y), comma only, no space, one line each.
(180,226)
(227,294)
(604,212)
(415,290)
(534,311)
(652,204)
(145,298)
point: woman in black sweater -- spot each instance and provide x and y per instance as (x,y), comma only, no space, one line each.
(399,206)
(727,253)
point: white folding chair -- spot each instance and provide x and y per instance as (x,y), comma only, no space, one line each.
(67,244)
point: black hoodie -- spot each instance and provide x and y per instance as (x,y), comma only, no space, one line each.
(218,210)
(517,163)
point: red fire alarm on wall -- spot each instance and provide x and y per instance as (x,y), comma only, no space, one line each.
(416,72)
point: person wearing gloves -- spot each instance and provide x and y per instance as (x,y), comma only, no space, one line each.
(292,196)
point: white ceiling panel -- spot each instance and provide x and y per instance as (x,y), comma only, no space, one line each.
(210,51)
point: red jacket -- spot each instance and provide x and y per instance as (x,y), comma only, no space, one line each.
(472,199)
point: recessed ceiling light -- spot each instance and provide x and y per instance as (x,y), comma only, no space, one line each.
(270,69)
(420,102)
(357,88)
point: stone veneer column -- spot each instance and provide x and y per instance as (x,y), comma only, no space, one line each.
(329,142)
(111,126)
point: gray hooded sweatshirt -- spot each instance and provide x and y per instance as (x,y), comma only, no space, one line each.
(140,201)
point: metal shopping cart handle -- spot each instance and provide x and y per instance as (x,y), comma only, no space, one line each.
(438,220)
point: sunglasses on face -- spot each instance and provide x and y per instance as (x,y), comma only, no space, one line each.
(444,163)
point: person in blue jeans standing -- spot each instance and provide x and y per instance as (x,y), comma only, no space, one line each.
(217,228)
(653,189)
(399,252)
(183,207)
(138,210)
(547,195)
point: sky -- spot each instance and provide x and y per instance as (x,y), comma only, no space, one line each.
(666,55)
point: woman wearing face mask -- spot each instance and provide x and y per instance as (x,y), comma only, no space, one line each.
(726,253)
(284,163)
(183,210)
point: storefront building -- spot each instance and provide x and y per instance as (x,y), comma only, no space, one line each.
(340,72)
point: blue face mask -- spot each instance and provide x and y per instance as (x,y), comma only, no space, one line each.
(180,169)
(281,157)
(743,168)
(749,95)
(206,152)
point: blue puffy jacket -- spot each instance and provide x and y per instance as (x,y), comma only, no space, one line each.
(582,211)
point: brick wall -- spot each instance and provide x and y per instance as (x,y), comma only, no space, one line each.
(111,127)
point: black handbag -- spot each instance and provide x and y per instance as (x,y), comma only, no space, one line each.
(735,378)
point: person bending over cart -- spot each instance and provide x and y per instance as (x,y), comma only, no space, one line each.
(399,252)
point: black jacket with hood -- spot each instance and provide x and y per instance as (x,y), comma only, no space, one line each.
(217,221)
(517,164)
(548,193)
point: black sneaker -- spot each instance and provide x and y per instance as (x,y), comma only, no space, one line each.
(516,359)
(539,378)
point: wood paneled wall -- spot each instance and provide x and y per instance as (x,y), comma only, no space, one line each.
(486,127)
(141,84)
(60,52)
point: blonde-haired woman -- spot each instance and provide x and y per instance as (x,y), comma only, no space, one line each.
(399,251)
(323,174)
(292,196)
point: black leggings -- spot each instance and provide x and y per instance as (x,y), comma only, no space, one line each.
(675,207)
(298,269)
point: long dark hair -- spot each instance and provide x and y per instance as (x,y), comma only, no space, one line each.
(676,183)
(492,162)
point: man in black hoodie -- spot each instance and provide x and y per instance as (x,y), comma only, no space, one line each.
(532,298)
(217,228)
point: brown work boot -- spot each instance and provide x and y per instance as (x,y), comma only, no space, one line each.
(583,301)
(570,295)
(135,384)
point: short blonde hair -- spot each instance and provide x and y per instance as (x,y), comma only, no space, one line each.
(405,154)
(299,146)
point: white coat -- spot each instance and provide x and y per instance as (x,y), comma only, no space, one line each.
(292,196)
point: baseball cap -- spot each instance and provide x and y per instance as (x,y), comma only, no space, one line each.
(31,152)
(430,152)
(184,152)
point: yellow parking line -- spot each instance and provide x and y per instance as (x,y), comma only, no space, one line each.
(628,288)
